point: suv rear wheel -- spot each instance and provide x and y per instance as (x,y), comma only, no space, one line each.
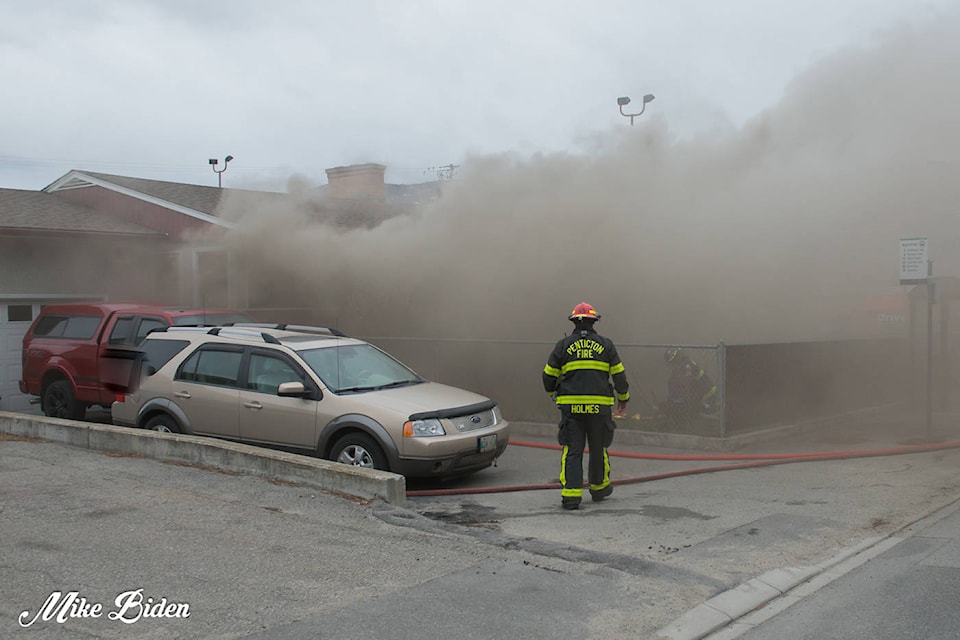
(163,423)
(359,450)
(59,401)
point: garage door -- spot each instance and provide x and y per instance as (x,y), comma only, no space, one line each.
(15,319)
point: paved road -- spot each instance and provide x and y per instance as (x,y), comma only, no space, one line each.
(907,590)
(254,559)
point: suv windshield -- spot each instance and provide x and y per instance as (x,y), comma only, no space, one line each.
(357,367)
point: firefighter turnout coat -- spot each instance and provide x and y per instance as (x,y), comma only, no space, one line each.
(578,373)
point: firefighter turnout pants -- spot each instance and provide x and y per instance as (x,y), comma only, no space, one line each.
(576,432)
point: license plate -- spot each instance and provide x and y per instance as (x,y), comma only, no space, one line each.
(487,443)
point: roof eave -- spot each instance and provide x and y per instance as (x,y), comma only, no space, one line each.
(61,184)
(76,233)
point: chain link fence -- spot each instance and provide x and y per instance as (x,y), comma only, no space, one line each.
(509,371)
(708,390)
(675,388)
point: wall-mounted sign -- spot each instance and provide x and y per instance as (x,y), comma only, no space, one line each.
(914,256)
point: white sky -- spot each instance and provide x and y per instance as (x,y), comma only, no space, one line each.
(154,89)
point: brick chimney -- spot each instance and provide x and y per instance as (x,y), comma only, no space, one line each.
(357,182)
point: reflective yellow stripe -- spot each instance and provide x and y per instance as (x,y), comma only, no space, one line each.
(617,368)
(563,465)
(606,468)
(606,474)
(711,393)
(551,371)
(623,397)
(564,492)
(607,400)
(579,365)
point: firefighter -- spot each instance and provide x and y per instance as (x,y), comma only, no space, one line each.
(577,376)
(690,391)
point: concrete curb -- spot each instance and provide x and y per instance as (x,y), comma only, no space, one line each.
(208,452)
(729,606)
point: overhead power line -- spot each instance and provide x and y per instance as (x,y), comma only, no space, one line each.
(202,167)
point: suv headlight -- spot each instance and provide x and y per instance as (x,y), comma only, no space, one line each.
(423,428)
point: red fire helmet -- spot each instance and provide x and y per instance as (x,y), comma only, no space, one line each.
(584,311)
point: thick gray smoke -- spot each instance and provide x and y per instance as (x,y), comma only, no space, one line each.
(769,232)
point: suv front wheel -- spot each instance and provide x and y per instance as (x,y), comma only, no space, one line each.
(359,450)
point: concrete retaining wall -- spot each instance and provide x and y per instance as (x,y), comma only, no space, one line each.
(219,454)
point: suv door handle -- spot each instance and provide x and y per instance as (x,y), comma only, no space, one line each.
(181,394)
(253,405)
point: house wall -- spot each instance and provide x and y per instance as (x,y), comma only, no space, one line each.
(121,269)
(39,270)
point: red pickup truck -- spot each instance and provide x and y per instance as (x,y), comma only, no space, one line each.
(73,354)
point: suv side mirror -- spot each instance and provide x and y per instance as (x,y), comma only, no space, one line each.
(292,390)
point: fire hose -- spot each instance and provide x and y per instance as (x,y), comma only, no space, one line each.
(747,461)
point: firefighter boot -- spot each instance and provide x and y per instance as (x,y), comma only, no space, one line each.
(570,504)
(598,496)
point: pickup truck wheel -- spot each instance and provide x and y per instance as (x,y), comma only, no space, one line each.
(359,450)
(163,423)
(59,401)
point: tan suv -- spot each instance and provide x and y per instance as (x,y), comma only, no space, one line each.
(311,390)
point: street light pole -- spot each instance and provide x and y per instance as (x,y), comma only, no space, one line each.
(930,294)
(624,101)
(213,165)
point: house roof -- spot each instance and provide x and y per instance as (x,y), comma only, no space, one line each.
(45,212)
(36,212)
(200,198)
(192,200)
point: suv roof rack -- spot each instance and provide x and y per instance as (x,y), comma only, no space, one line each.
(236,331)
(228,331)
(301,328)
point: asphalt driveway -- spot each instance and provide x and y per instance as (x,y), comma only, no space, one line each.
(254,558)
